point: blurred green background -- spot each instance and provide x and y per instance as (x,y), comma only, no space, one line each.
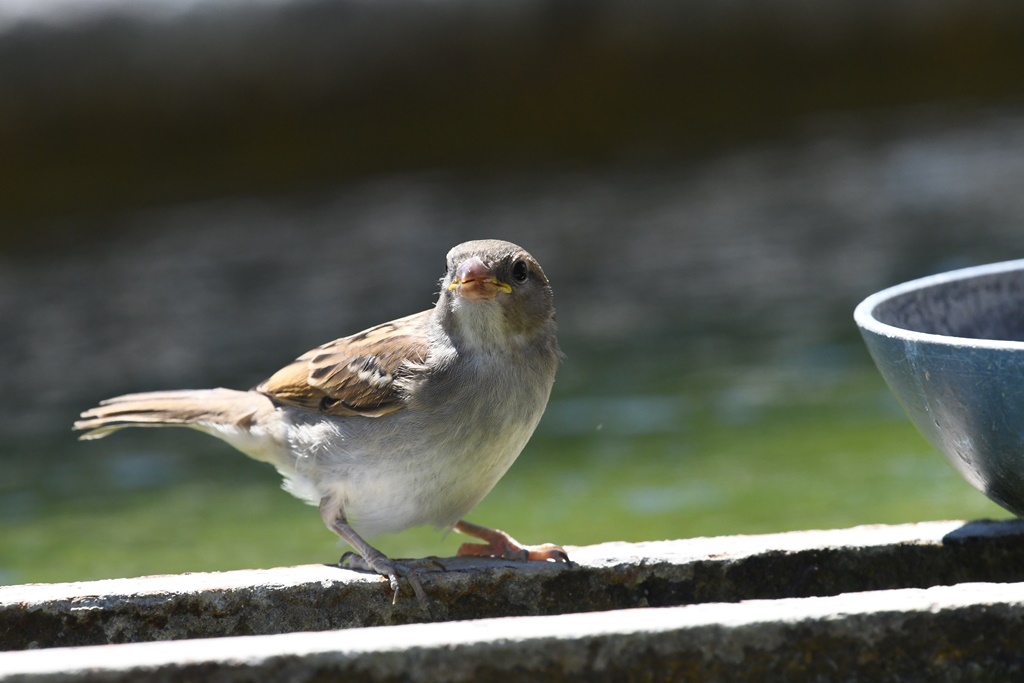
(192,194)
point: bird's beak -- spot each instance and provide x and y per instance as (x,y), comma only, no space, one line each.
(474,279)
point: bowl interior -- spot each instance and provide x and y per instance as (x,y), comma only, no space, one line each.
(988,306)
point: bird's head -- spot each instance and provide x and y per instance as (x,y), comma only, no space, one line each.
(496,294)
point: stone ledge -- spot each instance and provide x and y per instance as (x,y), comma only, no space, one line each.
(964,632)
(611,576)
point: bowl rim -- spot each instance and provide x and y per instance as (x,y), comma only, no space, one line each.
(863,314)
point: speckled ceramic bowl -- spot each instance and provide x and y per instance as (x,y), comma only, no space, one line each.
(951,348)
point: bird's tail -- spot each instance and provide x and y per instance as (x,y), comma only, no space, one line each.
(211,410)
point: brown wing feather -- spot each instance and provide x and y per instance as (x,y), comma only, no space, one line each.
(353,375)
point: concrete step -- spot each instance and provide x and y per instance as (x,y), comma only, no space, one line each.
(874,598)
(969,632)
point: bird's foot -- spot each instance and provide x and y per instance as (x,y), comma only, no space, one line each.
(368,558)
(500,544)
(391,570)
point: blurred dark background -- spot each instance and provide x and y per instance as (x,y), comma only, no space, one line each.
(193,193)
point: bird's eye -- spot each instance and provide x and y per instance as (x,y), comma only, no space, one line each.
(520,270)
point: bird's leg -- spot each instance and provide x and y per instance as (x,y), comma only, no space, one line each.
(375,560)
(500,544)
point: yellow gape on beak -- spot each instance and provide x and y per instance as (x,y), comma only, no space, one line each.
(474,279)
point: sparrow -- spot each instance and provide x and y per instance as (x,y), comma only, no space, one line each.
(408,423)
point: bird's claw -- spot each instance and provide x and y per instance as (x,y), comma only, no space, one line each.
(508,548)
(390,570)
(548,551)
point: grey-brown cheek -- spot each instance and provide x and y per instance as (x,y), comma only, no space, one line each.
(532,311)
